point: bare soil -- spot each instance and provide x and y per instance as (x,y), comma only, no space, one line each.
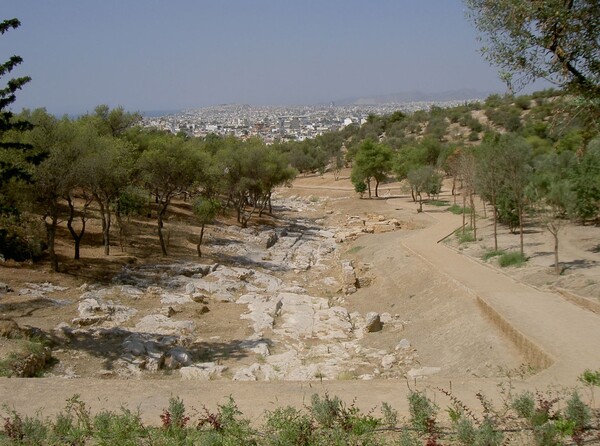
(444,324)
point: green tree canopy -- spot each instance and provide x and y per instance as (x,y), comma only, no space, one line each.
(373,161)
(556,40)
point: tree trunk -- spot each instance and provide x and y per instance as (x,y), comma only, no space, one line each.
(51,233)
(495,223)
(369,186)
(377,188)
(473,217)
(76,237)
(200,240)
(520,211)
(107,232)
(105,213)
(463,212)
(556,266)
(161,238)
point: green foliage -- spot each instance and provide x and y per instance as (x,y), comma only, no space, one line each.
(590,378)
(132,201)
(585,180)
(464,235)
(490,253)
(551,40)
(289,426)
(438,203)
(459,210)
(577,412)
(372,161)
(422,411)
(15,156)
(326,421)
(513,258)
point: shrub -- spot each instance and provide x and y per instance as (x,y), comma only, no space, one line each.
(459,210)
(513,258)
(465,235)
(490,253)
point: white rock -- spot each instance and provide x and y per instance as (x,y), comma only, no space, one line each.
(404,344)
(202,371)
(373,322)
(423,372)
(160,324)
(175,299)
(386,318)
(177,357)
(247,373)
(388,361)
(190,288)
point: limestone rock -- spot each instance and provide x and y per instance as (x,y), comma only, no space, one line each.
(160,324)
(177,358)
(202,371)
(247,373)
(349,282)
(388,361)
(423,372)
(269,239)
(373,322)
(404,344)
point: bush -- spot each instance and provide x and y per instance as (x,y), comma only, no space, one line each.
(464,236)
(459,210)
(513,258)
(490,253)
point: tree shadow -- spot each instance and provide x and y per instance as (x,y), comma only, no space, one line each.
(106,344)
(579,264)
(28,307)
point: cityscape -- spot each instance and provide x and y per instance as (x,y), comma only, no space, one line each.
(277,123)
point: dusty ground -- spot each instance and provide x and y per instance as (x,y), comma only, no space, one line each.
(445,327)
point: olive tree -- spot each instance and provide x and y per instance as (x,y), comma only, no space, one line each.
(556,40)
(168,168)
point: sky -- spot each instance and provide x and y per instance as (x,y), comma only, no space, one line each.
(174,54)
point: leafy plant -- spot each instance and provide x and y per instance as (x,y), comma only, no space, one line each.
(513,258)
(490,253)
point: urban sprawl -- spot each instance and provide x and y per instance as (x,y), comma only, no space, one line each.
(273,123)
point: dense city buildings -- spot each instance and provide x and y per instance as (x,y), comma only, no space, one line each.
(273,123)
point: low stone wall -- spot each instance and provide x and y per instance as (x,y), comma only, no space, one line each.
(534,355)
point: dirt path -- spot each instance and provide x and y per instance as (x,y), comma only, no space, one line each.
(554,334)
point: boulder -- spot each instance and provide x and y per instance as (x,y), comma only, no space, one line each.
(247,373)
(202,371)
(373,322)
(176,358)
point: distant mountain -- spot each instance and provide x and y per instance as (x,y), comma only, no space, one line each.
(463,94)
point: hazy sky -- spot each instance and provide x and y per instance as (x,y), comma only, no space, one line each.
(172,54)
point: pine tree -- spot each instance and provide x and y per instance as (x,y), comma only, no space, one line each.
(8,168)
